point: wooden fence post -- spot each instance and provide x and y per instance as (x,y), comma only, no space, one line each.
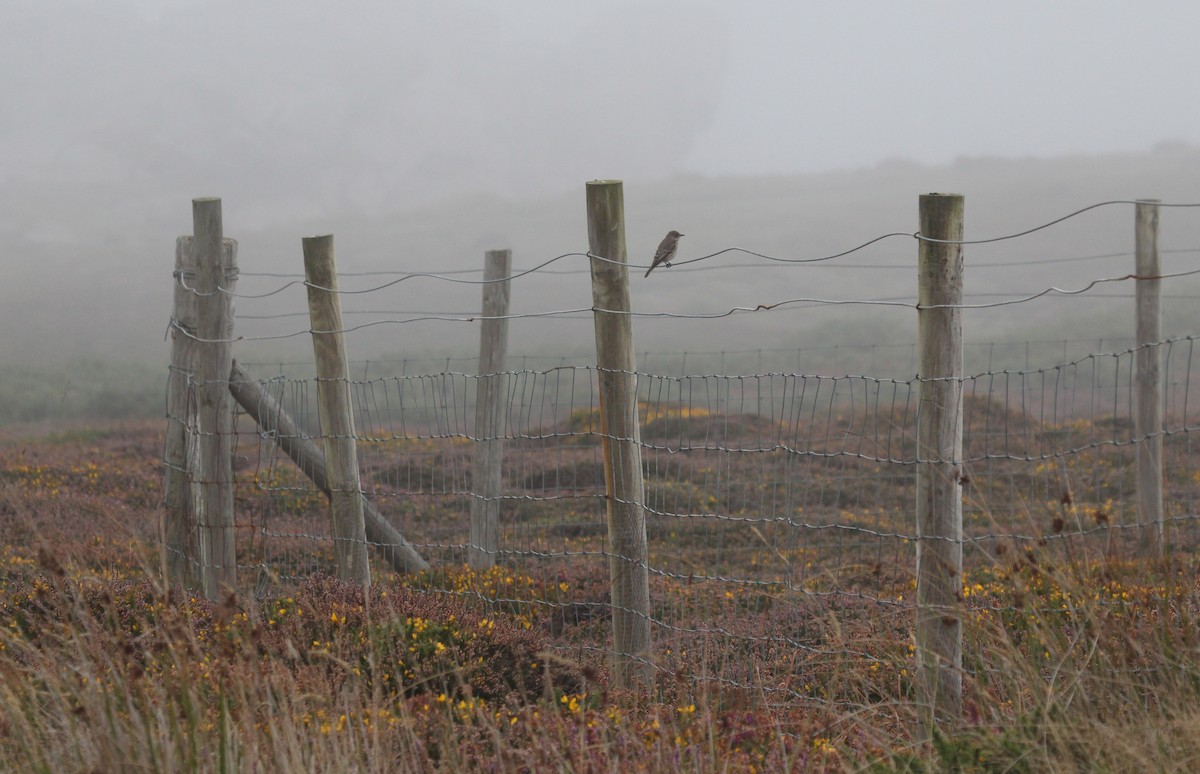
(621,437)
(337,416)
(1148,421)
(490,426)
(179,545)
(939,460)
(199,532)
(184,473)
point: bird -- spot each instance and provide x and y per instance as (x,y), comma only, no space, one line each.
(666,251)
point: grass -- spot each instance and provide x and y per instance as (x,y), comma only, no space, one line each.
(1079,656)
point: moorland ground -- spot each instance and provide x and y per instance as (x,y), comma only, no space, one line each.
(1079,656)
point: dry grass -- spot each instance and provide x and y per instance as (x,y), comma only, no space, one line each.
(1077,660)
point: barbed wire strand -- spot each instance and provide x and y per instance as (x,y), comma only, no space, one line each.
(446,276)
(764,307)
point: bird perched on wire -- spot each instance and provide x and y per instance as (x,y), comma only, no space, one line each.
(666,251)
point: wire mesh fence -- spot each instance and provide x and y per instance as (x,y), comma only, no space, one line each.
(779,489)
(769,498)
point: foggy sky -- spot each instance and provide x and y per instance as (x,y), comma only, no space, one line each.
(374,105)
(812,86)
(364,118)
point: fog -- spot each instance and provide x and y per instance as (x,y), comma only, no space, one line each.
(422,134)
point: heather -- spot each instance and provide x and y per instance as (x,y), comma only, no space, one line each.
(1080,656)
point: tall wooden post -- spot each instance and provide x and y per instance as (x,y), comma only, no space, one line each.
(489,417)
(199,530)
(184,465)
(337,416)
(939,459)
(1147,422)
(620,432)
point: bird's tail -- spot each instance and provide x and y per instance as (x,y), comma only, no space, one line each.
(649,270)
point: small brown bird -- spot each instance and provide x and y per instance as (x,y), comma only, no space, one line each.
(666,251)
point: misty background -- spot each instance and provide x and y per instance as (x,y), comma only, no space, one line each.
(423,134)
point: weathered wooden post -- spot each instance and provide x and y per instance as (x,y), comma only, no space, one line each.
(337,416)
(199,523)
(621,436)
(939,460)
(181,492)
(1148,422)
(178,515)
(490,426)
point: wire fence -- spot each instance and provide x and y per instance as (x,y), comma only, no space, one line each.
(1041,419)
(774,497)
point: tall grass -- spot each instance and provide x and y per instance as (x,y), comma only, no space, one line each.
(1075,661)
